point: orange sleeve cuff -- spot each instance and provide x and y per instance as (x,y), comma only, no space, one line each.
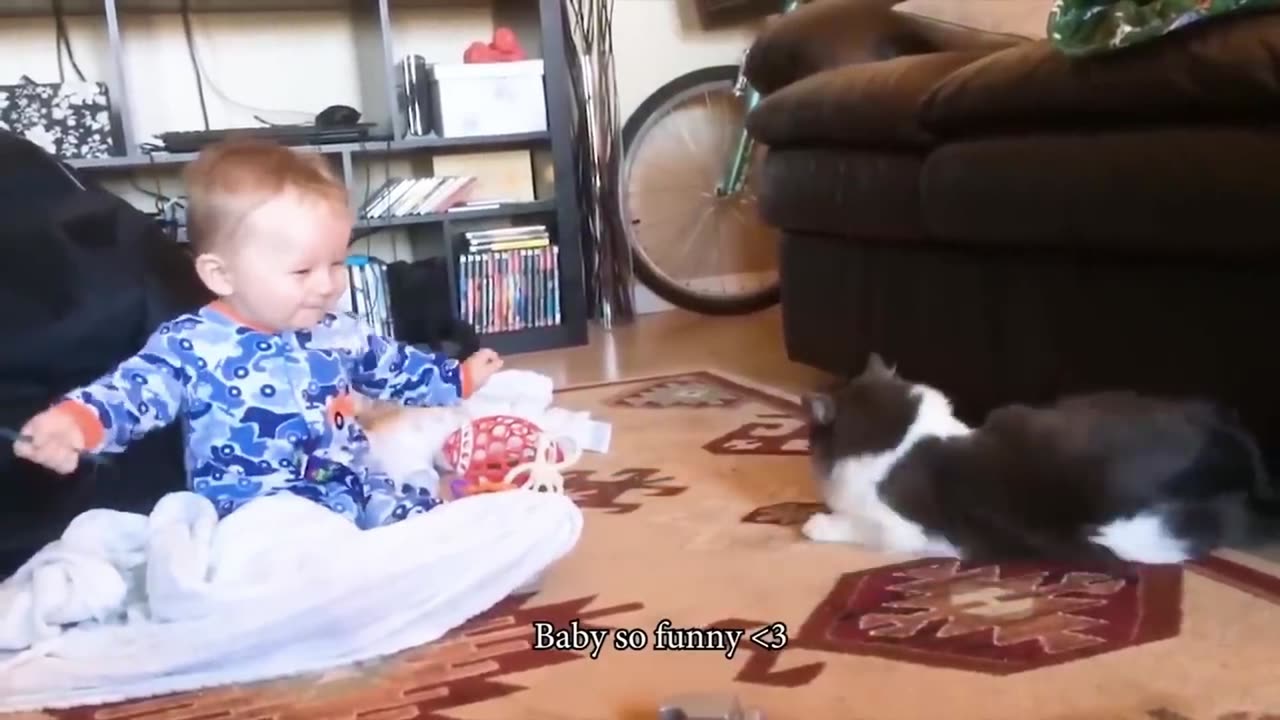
(468,383)
(87,420)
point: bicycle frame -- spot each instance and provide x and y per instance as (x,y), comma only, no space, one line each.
(735,175)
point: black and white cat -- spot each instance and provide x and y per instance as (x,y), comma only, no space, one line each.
(1105,477)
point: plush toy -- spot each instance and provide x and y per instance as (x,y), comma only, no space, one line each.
(504,452)
(505,47)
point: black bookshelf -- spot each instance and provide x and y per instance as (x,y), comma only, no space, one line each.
(540,25)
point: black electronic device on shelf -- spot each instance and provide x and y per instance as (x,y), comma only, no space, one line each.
(179,141)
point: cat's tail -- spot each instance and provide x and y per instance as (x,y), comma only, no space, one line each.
(1264,516)
(1264,522)
(1262,502)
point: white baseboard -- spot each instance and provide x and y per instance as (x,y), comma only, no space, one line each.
(646,303)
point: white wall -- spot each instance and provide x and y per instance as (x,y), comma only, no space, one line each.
(662,40)
(656,40)
(1024,17)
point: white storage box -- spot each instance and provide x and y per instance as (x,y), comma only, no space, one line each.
(488,98)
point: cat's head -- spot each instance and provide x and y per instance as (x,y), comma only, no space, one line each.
(875,414)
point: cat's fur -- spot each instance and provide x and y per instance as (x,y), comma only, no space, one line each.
(1105,477)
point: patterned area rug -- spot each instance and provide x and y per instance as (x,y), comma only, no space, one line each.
(692,542)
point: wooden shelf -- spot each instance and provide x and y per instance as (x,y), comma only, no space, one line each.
(44,8)
(462,144)
(41,8)
(533,339)
(384,146)
(526,341)
(502,211)
(204,6)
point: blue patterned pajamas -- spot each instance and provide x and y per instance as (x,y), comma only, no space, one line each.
(270,412)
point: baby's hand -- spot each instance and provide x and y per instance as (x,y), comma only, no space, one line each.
(52,439)
(480,367)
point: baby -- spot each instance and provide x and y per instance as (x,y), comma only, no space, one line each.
(263,377)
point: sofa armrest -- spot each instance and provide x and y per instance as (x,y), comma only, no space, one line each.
(867,105)
(826,34)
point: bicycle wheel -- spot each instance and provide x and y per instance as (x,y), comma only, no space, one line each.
(697,250)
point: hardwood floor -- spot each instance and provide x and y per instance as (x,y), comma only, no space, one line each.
(676,341)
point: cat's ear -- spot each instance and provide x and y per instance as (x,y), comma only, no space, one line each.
(876,367)
(820,407)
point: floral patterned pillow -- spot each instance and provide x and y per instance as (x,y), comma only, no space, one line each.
(68,119)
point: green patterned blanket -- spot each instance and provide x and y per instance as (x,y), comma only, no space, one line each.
(1089,27)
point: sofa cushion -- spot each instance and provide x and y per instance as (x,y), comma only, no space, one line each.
(843,192)
(1225,69)
(1208,191)
(869,105)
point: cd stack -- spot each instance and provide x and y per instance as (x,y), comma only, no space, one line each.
(509,279)
(367,294)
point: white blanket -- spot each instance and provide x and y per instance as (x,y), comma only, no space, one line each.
(399,444)
(126,606)
(280,587)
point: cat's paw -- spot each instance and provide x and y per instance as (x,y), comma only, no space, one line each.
(826,527)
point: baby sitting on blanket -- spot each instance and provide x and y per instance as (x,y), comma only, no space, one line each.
(263,377)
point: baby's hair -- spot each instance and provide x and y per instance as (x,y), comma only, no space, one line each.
(230,179)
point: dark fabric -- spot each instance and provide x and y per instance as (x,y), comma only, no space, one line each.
(833,33)
(422,308)
(841,191)
(993,327)
(1225,70)
(1210,191)
(83,280)
(32,184)
(870,104)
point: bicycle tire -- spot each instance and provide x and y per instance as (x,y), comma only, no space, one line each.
(646,271)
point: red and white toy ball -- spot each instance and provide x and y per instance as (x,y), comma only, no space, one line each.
(483,451)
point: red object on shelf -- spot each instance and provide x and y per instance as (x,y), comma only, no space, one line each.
(504,47)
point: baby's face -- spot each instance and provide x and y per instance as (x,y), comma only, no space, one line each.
(288,268)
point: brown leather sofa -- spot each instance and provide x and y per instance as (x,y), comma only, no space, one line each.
(1008,224)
